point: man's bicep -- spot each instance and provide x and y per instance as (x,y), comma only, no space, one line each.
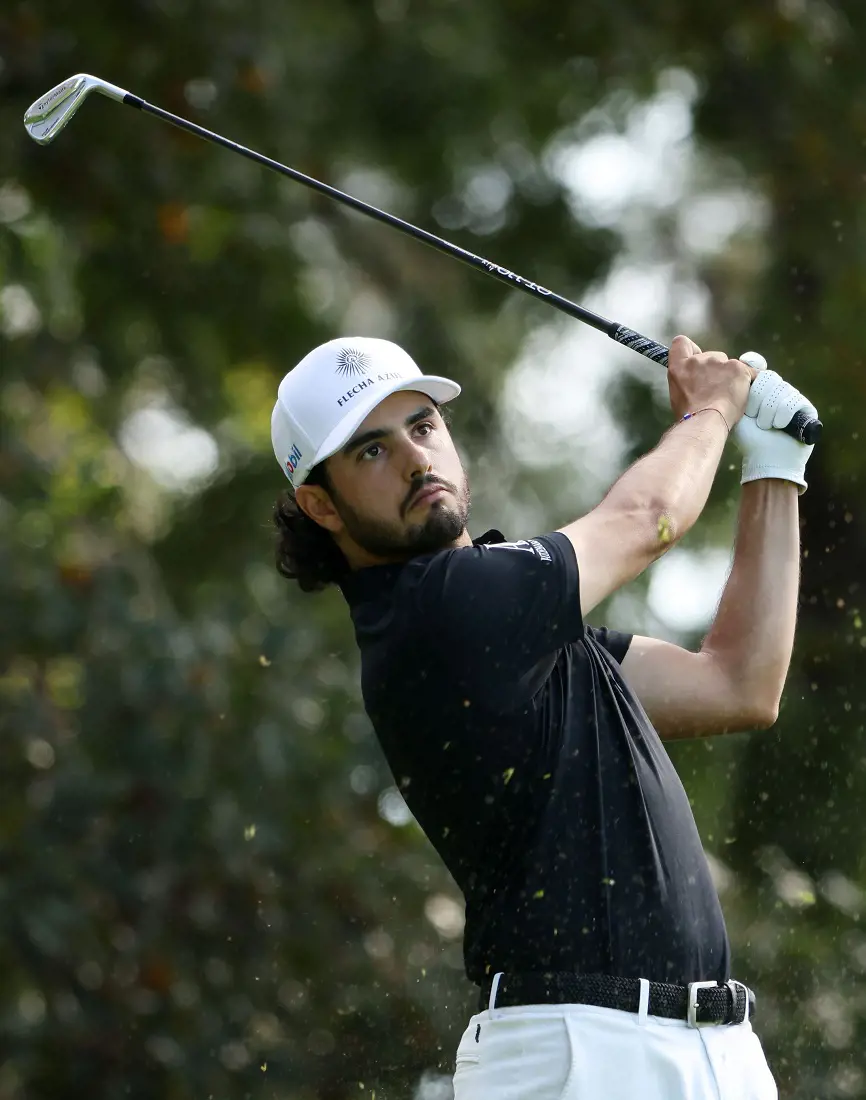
(613,545)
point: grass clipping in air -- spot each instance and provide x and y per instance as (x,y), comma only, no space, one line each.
(665,531)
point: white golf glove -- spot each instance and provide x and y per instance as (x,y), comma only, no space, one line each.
(768,452)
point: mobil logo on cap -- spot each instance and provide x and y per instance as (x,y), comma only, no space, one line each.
(292,461)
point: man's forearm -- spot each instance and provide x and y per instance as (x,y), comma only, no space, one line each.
(675,478)
(752,635)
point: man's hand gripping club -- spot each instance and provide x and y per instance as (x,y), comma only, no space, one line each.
(658,499)
(707,381)
(704,380)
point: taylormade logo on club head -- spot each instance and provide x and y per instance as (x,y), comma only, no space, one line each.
(62,90)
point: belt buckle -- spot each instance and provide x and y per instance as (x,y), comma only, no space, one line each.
(692,1011)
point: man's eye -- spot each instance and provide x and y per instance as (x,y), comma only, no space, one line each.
(372,451)
(426,426)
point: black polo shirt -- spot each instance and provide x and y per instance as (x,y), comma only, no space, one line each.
(532,768)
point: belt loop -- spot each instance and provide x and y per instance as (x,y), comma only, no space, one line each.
(733,987)
(643,1007)
(494,988)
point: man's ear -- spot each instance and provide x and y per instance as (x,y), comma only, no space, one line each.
(315,502)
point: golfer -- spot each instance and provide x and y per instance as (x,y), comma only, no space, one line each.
(527,743)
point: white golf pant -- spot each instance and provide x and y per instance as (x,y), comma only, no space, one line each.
(579,1052)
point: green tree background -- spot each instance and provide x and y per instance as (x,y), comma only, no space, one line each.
(210,886)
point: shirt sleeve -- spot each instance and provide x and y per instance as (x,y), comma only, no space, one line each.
(496,611)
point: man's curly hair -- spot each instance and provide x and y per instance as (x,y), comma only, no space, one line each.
(306,552)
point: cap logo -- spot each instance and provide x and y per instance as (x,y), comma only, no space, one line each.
(352,363)
(292,461)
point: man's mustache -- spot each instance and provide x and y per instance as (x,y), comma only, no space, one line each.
(420,485)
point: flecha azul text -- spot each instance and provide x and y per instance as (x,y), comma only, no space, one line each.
(389,376)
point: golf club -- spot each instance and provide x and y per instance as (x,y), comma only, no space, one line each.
(48,116)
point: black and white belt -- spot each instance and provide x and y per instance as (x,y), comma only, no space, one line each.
(698,1004)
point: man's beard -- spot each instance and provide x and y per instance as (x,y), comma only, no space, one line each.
(444,523)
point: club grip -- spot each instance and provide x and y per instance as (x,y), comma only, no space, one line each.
(641,344)
(804,428)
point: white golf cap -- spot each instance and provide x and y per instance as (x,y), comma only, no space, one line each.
(323,400)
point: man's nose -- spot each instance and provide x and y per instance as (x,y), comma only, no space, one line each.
(417,460)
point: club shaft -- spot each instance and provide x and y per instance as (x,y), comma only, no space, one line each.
(487,266)
(801,427)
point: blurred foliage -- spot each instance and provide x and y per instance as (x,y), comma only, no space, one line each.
(210,886)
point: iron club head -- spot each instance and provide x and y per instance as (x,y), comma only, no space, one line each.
(45,118)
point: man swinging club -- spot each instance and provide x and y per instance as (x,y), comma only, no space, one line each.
(527,744)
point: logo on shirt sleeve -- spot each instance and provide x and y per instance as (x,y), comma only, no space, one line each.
(528,546)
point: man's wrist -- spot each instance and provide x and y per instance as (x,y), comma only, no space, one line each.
(708,409)
(771,485)
(753,472)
